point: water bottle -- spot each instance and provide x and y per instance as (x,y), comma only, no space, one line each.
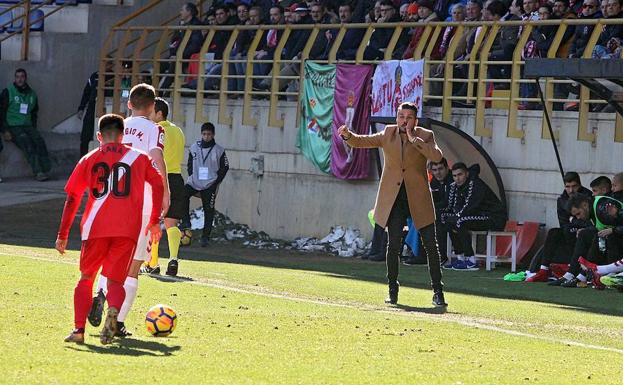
(602,244)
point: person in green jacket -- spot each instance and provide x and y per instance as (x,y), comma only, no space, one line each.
(18,122)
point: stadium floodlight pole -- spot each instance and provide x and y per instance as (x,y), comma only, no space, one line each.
(549,126)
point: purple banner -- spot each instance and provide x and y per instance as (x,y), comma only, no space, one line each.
(351,106)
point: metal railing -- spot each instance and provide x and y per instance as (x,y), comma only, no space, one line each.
(146,49)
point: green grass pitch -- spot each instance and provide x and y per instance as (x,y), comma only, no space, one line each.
(259,317)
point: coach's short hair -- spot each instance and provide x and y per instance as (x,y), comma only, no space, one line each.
(110,122)
(408,106)
(142,96)
(162,106)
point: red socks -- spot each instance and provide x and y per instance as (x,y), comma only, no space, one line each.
(82,302)
(116,294)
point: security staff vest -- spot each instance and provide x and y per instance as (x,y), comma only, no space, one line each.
(206,163)
(19,111)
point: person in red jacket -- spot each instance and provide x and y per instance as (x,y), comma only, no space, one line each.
(114,176)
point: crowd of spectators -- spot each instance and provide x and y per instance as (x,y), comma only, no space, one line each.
(274,12)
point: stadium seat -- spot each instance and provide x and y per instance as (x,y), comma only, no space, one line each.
(34,15)
(5,18)
(193,68)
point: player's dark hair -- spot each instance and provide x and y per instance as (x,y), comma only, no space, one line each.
(408,106)
(109,123)
(142,96)
(602,182)
(162,106)
(576,200)
(572,176)
(443,161)
(22,71)
(208,127)
(459,166)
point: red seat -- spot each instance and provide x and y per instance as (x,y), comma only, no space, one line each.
(527,233)
(193,68)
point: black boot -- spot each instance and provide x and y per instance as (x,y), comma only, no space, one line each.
(438,299)
(392,298)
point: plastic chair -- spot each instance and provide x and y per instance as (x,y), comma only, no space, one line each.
(512,244)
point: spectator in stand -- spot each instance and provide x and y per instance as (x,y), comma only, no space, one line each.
(473,12)
(18,122)
(609,43)
(560,242)
(457,14)
(540,40)
(381,36)
(530,9)
(352,37)
(403,12)
(293,48)
(601,186)
(504,43)
(242,12)
(425,15)
(412,14)
(472,205)
(441,7)
(217,46)
(590,10)
(210,18)
(319,15)
(267,50)
(240,50)
(562,10)
(188,16)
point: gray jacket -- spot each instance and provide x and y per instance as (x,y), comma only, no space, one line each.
(207,165)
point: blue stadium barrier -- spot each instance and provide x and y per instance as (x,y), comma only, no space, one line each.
(5,18)
(34,15)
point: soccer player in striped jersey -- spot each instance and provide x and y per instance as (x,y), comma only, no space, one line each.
(115,176)
(174,143)
(143,134)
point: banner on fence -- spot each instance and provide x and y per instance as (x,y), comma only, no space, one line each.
(395,82)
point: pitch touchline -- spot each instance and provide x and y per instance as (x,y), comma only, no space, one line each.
(461,320)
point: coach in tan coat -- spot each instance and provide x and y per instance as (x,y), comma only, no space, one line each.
(404,191)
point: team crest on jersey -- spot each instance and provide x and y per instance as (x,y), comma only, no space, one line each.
(161,138)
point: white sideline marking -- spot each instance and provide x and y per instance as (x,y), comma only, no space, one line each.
(450,318)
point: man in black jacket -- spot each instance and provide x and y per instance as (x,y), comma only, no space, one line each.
(560,241)
(472,205)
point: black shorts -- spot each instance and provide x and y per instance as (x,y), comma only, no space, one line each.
(178,196)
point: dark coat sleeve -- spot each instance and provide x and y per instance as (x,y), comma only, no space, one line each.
(222,169)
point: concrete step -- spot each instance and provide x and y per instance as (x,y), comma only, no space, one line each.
(64,151)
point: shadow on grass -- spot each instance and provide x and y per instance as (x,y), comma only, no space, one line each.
(36,225)
(169,279)
(425,310)
(129,347)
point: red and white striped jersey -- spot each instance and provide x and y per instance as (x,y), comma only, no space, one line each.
(115,176)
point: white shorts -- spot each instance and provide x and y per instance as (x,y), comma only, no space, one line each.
(143,243)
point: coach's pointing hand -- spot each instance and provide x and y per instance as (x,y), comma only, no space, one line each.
(344,132)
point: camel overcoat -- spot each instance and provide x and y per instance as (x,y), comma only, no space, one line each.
(403,161)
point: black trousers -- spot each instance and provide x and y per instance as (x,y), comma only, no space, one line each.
(558,248)
(396,222)
(88,129)
(586,238)
(208,197)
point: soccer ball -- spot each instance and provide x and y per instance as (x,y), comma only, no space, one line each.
(161,320)
(187,236)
